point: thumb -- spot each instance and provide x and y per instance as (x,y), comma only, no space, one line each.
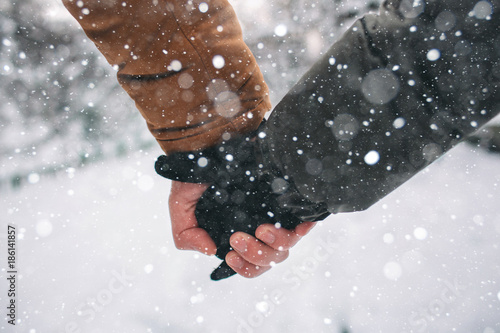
(188,167)
(185,229)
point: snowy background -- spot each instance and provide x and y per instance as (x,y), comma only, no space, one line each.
(95,248)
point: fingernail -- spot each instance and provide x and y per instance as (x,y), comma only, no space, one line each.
(235,261)
(268,237)
(239,244)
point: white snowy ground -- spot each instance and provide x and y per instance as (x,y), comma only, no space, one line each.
(96,255)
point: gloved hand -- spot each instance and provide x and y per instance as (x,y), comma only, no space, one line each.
(244,193)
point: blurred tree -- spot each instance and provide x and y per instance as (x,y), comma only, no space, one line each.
(61,103)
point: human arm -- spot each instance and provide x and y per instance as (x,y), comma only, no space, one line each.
(185,65)
(398,90)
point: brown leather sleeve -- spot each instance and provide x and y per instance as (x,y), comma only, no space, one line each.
(184,63)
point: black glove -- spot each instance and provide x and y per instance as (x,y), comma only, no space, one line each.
(244,193)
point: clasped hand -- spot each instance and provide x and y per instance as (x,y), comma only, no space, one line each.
(251,257)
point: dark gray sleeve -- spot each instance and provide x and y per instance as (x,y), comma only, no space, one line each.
(397,91)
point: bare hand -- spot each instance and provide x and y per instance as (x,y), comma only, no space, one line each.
(182,203)
(254,256)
